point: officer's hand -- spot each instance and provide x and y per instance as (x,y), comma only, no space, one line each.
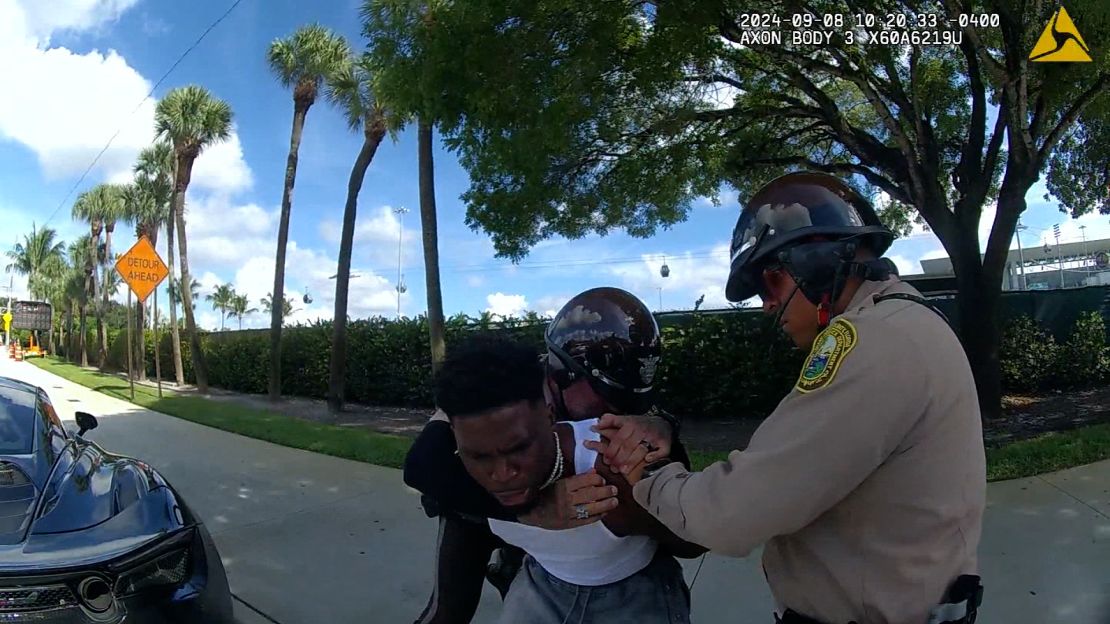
(630,440)
(558,505)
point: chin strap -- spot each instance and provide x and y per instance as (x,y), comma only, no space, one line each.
(877,270)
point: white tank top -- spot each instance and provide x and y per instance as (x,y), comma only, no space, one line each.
(587,555)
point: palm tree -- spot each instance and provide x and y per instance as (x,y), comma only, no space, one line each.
(350,90)
(221,300)
(146,205)
(34,255)
(301,62)
(113,210)
(158,164)
(430,229)
(78,290)
(175,293)
(239,308)
(52,279)
(268,307)
(91,207)
(192,119)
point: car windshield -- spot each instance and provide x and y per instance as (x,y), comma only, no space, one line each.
(17,422)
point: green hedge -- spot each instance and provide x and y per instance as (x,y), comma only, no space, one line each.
(717,365)
(1033,361)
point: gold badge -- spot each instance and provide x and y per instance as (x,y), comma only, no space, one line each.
(829,350)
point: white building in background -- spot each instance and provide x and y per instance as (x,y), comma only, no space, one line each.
(1069,265)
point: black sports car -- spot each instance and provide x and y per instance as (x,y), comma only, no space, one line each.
(88,536)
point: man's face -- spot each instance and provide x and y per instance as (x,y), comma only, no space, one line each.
(799,320)
(508,450)
(579,400)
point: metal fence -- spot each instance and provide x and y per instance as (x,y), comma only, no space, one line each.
(1055,310)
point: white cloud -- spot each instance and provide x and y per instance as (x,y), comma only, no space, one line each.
(692,275)
(376,236)
(79,101)
(46,18)
(905,265)
(474,281)
(549,305)
(1097,227)
(221,167)
(502,305)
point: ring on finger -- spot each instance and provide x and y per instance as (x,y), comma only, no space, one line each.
(580,512)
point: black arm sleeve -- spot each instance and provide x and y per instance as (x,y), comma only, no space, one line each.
(432,468)
(678,451)
(679,454)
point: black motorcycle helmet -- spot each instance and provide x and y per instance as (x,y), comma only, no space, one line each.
(608,337)
(802,221)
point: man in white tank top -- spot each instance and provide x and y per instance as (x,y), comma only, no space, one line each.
(508,441)
(603,349)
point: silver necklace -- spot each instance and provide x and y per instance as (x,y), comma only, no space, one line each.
(557,469)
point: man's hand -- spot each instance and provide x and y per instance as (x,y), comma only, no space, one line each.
(557,508)
(631,440)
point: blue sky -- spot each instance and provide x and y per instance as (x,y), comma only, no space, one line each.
(83,67)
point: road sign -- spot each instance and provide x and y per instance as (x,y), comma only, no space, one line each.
(7,320)
(142,268)
(32,315)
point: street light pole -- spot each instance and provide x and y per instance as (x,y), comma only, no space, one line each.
(400,276)
(1086,253)
(1059,256)
(1021,256)
(664,271)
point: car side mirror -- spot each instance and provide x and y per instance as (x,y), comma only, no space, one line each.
(85,422)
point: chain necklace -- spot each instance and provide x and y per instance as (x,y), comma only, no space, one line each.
(557,469)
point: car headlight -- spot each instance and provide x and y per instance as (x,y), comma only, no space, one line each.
(170,569)
(12,476)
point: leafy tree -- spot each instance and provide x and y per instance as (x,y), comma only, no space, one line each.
(389,26)
(301,62)
(576,117)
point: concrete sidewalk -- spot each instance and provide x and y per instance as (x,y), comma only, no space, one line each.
(312,538)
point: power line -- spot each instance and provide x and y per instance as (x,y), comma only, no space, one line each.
(554,264)
(139,105)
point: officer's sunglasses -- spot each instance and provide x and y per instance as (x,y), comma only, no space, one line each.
(770,280)
(562,376)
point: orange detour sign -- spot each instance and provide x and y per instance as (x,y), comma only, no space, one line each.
(142,268)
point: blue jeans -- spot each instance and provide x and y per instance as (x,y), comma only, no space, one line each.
(655,595)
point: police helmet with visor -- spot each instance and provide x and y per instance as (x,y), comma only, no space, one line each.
(610,338)
(791,210)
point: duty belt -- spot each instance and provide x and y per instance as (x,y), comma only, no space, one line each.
(961,606)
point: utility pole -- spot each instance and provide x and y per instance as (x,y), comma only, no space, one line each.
(1021,255)
(1059,256)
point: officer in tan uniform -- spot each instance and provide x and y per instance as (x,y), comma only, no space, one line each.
(866,485)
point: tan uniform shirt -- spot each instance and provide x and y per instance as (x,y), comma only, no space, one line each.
(866,484)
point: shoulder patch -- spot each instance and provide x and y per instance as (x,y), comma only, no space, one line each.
(829,350)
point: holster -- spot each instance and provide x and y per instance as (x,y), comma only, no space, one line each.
(960,606)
